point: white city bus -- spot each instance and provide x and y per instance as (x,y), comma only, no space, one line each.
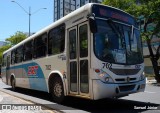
(94,52)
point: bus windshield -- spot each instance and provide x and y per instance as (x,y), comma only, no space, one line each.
(117,43)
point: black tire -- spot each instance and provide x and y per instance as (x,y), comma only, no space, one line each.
(13,84)
(57,90)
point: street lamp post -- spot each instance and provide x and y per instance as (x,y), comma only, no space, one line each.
(28,13)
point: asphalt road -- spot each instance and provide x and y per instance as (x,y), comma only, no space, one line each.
(146,102)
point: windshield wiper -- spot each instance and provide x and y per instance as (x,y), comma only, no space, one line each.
(112,25)
(117,31)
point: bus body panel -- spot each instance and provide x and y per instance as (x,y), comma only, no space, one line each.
(103,90)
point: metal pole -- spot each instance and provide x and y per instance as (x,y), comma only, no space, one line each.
(29,14)
(29,21)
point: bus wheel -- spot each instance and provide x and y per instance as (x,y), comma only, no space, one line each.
(13,84)
(57,90)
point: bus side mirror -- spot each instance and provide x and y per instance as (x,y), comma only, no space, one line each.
(92,24)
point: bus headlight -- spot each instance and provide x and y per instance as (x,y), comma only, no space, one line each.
(104,77)
(142,76)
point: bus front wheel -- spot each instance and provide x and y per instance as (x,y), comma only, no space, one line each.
(57,90)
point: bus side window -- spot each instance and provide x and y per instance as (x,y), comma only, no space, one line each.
(56,40)
(13,57)
(4,60)
(28,50)
(40,46)
(50,40)
(19,54)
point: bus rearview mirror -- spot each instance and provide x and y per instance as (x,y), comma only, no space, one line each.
(93,25)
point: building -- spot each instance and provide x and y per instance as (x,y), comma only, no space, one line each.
(64,7)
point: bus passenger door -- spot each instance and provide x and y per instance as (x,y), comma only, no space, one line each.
(8,69)
(78,60)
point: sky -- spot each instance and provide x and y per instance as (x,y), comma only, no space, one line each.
(13,18)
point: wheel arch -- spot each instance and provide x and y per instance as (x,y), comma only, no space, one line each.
(55,74)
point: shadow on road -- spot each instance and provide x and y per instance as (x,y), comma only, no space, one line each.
(96,106)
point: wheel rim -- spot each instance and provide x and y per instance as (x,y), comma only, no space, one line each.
(57,90)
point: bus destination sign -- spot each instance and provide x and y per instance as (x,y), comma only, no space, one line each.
(115,14)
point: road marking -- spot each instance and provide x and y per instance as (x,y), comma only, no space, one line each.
(149,92)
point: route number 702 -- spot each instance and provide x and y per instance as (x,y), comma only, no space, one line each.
(107,65)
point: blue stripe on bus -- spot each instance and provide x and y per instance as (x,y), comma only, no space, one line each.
(38,81)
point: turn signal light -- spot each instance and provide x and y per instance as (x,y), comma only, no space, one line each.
(97,70)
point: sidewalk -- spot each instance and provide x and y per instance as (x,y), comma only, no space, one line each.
(12,104)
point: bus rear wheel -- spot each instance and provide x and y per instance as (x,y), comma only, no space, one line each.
(57,90)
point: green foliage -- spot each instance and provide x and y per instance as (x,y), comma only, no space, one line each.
(16,38)
(2,49)
(121,4)
(13,40)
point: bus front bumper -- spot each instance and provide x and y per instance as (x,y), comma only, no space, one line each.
(110,90)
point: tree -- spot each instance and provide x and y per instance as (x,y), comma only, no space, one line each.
(150,10)
(16,38)
(2,49)
(13,40)
(121,4)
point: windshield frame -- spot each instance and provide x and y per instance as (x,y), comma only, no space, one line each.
(139,40)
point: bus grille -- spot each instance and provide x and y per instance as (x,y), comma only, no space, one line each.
(126,88)
(125,71)
(124,80)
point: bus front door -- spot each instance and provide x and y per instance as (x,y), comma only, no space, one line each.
(78,62)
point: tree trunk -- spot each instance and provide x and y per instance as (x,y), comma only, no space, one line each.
(154,61)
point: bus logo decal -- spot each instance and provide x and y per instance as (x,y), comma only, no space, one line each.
(32,70)
(128,79)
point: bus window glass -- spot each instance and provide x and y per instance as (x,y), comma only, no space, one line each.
(73,76)
(114,43)
(50,43)
(72,44)
(83,39)
(135,54)
(4,60)
(28,50)
(106,41)
(19,54)
(57,38)
(40,46)
(127,35)
(84,86)
(13,56)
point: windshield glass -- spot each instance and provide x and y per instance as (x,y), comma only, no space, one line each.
(116,43)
